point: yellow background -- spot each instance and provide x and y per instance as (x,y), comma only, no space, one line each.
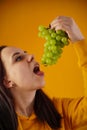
(19,21)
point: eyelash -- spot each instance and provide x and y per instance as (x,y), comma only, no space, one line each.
(19,58)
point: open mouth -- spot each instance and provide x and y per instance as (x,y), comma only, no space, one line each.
(37,71)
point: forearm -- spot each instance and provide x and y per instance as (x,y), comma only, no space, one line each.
(81,51)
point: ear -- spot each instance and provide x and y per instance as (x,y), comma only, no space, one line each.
(7,83)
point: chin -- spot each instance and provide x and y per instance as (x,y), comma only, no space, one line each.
(41,85)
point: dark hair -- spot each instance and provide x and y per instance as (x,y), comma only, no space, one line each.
(43,107)
(8,117)
(46,111)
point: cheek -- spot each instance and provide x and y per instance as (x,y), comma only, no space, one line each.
(21,77)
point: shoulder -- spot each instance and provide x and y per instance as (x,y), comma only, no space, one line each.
(67,102)
(73,110)
(71,107)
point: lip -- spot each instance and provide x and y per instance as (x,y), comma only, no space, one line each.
(36,64)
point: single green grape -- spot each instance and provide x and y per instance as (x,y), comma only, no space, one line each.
(41,28)
(53,48)
(48,61)
(51,31)
(46,44)
(65,40)
(60,51)
(53,35)
(52,42)
(45,32)
(48,37)
(46,49)
(61,44)
(55,57)
(58,38)
(59,32)
(49,54)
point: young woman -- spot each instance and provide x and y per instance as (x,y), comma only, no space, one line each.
(23,104)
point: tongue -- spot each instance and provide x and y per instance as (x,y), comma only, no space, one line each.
(40,73)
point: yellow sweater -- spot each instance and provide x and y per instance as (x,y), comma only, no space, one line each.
(74,111)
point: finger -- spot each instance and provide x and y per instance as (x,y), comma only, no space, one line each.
(64,17)
(61,19)
(60,27)
(55,25)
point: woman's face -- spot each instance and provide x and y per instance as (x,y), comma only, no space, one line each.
(21,70)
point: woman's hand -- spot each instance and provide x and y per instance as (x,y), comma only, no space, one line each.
(67,24)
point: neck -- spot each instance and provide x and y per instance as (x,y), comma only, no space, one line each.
(24,102)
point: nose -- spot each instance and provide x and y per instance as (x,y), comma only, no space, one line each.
(30,58)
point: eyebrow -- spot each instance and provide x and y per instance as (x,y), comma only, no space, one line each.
(16,53)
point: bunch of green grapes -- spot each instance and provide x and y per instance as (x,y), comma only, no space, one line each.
(55,42)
